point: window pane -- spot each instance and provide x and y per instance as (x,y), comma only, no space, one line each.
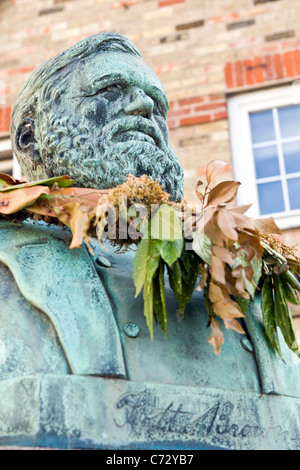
(270,197)
(289,120)
(291,152)
(294,193)
(262,126)
(266,161)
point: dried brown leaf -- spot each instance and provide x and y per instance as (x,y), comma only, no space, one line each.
(215,293)
(240,210)
(226,223)
(199,194)
(217,270)
(16,200)
(232,324)
(268,225)
(223,253)
(223,193)
(213,168)
(227,309)
(217,338)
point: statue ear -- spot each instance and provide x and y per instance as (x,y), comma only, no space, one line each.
(25,138)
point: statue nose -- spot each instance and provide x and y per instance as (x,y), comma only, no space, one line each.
(140,104)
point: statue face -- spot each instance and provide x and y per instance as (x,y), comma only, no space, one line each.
(121,100)
(110,121)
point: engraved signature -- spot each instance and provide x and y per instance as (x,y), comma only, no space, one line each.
(143,416)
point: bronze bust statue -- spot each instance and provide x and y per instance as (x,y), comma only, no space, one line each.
(78,368)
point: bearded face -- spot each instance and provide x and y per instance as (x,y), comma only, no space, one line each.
(110,121)
(68,148)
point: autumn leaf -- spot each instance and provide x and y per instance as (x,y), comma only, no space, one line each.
(6,181)
(213,168)
(223,193)
(232,324)
(226,224)
(14,201)
(61,181)
(199,194)
(227,310)
(268,225)
(217,338)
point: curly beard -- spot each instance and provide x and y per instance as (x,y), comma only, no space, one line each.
(67,148)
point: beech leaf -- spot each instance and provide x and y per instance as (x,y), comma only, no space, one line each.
(217,338)
(268,225)
(200,195)
(213,168)
(223,193)
(232,324)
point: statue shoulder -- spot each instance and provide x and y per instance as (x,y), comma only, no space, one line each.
(64,285)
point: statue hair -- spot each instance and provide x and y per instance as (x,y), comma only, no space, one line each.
(50,80)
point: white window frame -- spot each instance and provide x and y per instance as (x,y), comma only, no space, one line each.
(239,108)
(5,145)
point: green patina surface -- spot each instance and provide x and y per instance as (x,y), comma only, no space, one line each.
(77,367)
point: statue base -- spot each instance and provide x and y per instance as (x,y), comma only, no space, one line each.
(79,412)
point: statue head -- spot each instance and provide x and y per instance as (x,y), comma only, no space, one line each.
(95,112)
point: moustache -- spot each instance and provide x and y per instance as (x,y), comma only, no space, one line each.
(113,131)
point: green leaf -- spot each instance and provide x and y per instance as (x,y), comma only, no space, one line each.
(290,279)
(289,292)
(145,263)
(148,306)
(283,317)
(170,250)
(165,225)
(202,246)
(243,303)
(175,278)
(268,314)
(188,280)
(62,182)
(159,298)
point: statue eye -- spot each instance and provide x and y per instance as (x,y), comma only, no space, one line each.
(113,87)
(160,108)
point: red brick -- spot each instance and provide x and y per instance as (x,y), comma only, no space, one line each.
(207,107)
(239,73)
(165,68)
(269,70)
(278,64)
(217,96)
(258,70)
(190,121)
(222,18)
(297,62)
(229,75)
(172,123)
(194,99)
(249,73)
(19,70)
(289,64)
(5,119)
(179,112)
(219,116)
(166,3)
(290,43)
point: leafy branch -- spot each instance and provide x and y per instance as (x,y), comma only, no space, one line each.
(213,247)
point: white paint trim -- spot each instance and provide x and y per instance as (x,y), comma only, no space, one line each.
(239,108)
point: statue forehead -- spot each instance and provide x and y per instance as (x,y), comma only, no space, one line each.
(103,68)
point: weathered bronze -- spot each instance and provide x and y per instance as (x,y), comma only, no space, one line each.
(77,367)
